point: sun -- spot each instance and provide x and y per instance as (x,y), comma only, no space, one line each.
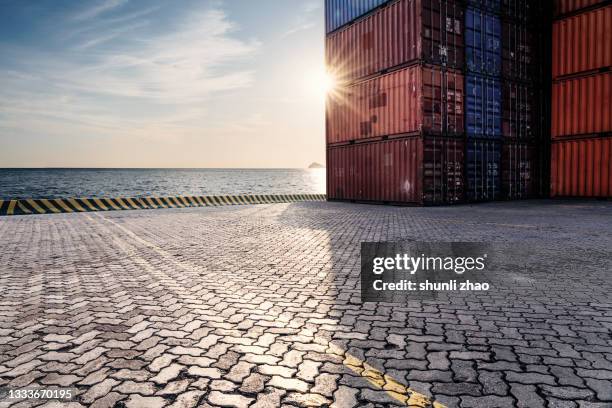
(328,83)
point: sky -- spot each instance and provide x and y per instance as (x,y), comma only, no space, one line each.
(142,83)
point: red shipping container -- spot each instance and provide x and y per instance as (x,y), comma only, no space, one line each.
(562,7)
(582,105)
(582,168)
(520,59)
(582,42)
(519,166)
(413,170)
(411,100)
(404,31)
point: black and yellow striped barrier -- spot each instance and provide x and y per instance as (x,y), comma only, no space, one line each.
(69,205)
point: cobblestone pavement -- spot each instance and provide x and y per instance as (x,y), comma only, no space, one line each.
(259,306)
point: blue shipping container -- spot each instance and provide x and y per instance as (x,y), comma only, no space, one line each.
(483,112)
(341,12)
(483,39)
(483,170)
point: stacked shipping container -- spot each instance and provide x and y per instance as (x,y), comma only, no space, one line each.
(438,101)
(581,129)
(395,124)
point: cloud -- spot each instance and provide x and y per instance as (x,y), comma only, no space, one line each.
(98,9)
(306,18)
(122,79)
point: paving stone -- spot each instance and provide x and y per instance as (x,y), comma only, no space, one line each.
(188,399)
(271,398)
(98,390)
(132,387)
(168,374)
(108,401)
(603,388)
(253,384)
(191,299)
(307,400)
(229,400)
(137,401)
(289,384)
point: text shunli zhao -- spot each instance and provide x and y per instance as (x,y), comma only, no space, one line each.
(412,265)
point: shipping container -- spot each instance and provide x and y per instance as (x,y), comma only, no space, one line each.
(483,37)
(582,105)
(520,59)
(411,100)
(341,12)
(491,5)
(582,43)
(414,170)
(582,168)
(562,7)
(519,170)
(395,35)
(482,164)
(483,106)
(519,10)
(521,111)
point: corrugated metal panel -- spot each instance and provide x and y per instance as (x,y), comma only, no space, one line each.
(406,101)
(483,107)
(409,170)
(519,164)
(520,54)
(407,30)
(341,12)
(582,105)
(569,6)
(520,10)
(582,42)
(520,111)
(492,5)
(482,163)
(483,51)
(582,168)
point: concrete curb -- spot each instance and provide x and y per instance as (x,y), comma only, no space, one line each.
(70,205)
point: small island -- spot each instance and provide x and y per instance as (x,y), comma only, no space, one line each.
(316,165)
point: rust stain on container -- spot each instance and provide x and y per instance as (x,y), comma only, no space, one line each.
(417,170)
(415,99)
(582,43)
(582,168)
(404,31)
(582,105)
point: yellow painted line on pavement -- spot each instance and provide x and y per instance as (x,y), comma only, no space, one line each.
(36,207)
(49,206)
(183,201)
(391,386)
